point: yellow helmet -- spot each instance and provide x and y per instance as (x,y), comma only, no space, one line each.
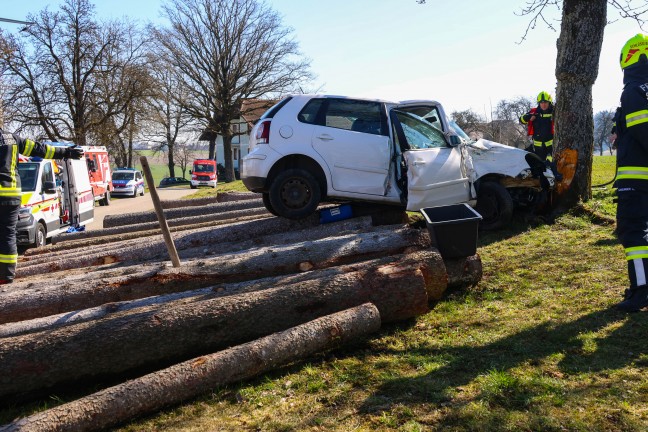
(633,50)
(543,96)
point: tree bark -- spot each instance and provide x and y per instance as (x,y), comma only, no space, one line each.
(186,380)
(185,328)
(42,300)
(433,267)
(579,49)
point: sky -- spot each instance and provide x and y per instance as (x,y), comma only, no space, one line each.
(465,54)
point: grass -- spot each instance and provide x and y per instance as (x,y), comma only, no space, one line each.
(535,346)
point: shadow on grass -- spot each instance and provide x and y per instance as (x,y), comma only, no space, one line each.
(620,348)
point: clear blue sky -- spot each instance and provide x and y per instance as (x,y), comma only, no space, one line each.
(464,54)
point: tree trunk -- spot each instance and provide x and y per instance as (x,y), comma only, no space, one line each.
(579,49)
(20,304)
(200,375)
(185,328)
(227,154)
(212,147)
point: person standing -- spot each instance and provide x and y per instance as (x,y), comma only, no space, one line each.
(539,122)
(632,170)
(10,146)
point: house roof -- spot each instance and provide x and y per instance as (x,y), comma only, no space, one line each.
(251,111)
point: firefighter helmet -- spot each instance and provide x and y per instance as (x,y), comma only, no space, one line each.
(632,51)
(543,96)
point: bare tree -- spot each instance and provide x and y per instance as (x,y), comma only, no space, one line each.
(603,122)
(55,70)
(227,51)
(509,112)
(469,121)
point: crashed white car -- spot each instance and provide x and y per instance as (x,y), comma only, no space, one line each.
(312,148)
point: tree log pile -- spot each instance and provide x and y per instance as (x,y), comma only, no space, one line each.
(249,296)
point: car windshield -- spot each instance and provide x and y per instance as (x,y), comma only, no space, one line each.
(419,133)
(28,175)
(454,127)
(123,175)
(203,168)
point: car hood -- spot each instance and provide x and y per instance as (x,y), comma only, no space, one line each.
(488,157)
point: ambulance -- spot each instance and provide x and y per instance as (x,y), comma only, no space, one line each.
(99,172)
(56,198)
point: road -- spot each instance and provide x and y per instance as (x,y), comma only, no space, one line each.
(120,205)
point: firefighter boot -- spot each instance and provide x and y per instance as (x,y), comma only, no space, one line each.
(635,299)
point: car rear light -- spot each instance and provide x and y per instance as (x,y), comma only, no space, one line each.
(263,132)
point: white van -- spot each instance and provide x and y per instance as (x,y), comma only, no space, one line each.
(56,197)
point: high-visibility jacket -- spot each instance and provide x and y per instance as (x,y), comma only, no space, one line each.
(632,138)
(542,128)
(10,147)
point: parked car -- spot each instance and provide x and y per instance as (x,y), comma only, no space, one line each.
(311,148)
(174,181)
(127,182)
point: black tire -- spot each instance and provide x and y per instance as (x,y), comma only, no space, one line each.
(265,197)
(40,237)
(294,194)
(193,187)
(105,201)
(142,193)
(495,205)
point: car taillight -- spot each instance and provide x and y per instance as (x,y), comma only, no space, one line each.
(263,132)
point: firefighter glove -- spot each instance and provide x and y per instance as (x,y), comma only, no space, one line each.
(74,152)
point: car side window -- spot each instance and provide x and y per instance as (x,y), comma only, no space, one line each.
(308,114)
(419,133)
(354,115)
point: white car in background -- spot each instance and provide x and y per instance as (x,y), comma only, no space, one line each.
(312,148)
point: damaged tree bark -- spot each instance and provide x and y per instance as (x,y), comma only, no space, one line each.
(186,380)
(190,327)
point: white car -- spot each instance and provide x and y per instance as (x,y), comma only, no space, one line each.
(312,148)
(127,182)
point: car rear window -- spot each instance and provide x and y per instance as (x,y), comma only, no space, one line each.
(308,114)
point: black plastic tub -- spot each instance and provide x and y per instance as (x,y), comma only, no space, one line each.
(453,229)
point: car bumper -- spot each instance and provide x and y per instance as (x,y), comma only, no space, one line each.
(211,183)
(123,191)
(254,184)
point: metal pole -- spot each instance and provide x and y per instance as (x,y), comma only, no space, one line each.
(173,253)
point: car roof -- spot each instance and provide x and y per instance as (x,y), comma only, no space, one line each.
(328,96)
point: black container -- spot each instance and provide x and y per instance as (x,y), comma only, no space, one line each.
(453,229)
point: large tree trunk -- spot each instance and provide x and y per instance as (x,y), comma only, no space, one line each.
(579,49)
(185,328)
(186,380)
(21,304)
(229,157)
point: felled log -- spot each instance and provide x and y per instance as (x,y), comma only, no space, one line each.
(21,303)
(181,212)
(186,380)
(154,248)
(436,281)
(186,328)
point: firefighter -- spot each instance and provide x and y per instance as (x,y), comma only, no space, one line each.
(632,170)
(539,122)
(10,146)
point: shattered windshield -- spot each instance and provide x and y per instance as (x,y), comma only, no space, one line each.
(454,128)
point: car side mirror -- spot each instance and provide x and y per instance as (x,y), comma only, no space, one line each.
(49,187)
(454,140)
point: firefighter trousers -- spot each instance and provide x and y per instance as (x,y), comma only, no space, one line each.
(8,250)
(632,229)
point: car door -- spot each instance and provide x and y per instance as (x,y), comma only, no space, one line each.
(436,174)
(352,138)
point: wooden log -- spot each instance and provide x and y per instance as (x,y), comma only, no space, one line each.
(430,261)
(21,303)
(185,328)
(150,216)
(200,375)
(463,272)
(154,249)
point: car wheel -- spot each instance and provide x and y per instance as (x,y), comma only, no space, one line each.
(105,201)
(40,239)
(142,193)
(294,194)
(495,205)
(193,187)
(265,197)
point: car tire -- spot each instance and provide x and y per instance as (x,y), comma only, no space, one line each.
(495,205)
(193,187)
(40,236)
(265,197)
(294,194)
(142,193)
(105,201)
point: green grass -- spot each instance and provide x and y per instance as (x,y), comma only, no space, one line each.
(535,346)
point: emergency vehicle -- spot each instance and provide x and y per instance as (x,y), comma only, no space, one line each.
(204,173)
(56,198)
(99,172)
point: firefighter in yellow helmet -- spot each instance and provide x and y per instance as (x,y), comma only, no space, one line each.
(539,122)
(10,147)
(632,170)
